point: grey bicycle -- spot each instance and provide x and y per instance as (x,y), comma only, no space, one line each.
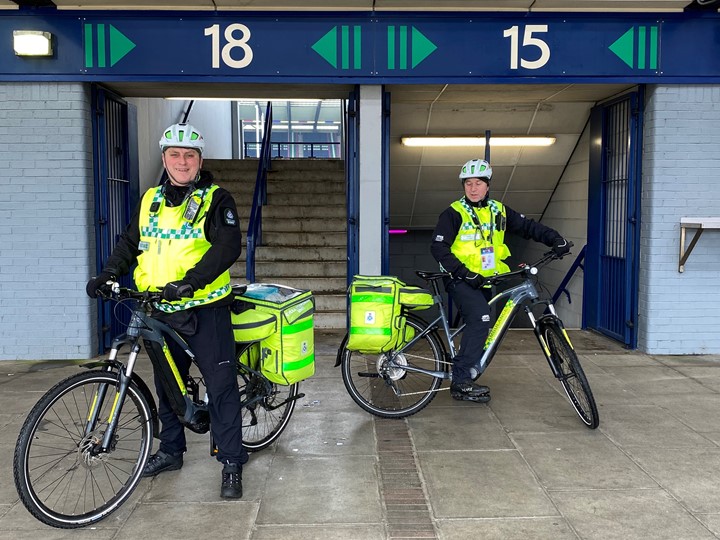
(83,447)
(402,382)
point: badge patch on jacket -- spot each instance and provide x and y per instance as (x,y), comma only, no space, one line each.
(229,217)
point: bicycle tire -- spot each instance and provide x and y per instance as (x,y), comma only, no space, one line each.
(371,385)
(572,377)
(265,420)
(51,453)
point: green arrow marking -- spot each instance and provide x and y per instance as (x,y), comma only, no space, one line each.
(623,47)
(120,45)
(646,54)
(326,47)
(350,47)
(422,47)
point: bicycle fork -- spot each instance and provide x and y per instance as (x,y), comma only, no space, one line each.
(121,389)
(538,326)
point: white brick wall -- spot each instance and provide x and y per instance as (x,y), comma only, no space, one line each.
(46,221)
(678,312)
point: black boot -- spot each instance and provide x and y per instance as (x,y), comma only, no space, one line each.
(231,487)
(162,462)
(469,391)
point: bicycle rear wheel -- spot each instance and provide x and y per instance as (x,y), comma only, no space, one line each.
(391,391)
(268,411)
(572,377)
(60,477)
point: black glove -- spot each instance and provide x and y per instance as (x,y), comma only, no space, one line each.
(471,278)
(97,283)
(474,280)
(561,246)
(175,290)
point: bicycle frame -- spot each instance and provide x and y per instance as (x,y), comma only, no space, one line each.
(152,331)
(517,297)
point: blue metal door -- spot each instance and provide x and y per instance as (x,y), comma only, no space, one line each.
(116,192)
(612,259)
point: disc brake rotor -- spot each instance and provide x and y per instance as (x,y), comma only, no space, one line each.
(86,455)
(395,372)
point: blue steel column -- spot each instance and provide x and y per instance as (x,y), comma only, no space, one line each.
(351,176)
(385,178)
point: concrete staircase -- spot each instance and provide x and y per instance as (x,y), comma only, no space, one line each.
(304,228)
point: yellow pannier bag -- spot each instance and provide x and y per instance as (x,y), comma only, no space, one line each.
(288,354)
(416,298)
(376,321)
(252,324)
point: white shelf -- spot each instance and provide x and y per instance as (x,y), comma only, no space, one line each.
(699,224)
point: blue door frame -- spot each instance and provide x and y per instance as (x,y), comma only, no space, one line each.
(352,177)
(116,191)
(613,246)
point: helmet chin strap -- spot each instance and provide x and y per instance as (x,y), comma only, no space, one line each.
(189,185)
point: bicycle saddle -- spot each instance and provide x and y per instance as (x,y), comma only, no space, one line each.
(429,276)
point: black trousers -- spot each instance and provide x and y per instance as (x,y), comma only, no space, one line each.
(214,346)
(473,305)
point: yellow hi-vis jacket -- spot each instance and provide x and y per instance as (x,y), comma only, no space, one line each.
(475,235)
(171,244)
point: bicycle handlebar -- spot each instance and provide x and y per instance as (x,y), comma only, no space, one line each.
(531,269)
(115,291)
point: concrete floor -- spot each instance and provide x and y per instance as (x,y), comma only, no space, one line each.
(521,467)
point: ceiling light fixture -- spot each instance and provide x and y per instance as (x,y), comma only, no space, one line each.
(32,43)
(478,141)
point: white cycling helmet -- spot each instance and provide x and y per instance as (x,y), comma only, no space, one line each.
(182,136)
(476,168)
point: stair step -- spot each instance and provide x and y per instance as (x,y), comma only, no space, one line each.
(291,199)
(305,225)
(330,319)
(296,212)
(279,270)
(304,238)
(302,253)
(330,302)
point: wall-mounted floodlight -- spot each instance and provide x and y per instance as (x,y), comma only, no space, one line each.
(32,43)
(478,141)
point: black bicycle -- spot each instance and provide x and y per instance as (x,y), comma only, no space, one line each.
(403,381)
(83,447)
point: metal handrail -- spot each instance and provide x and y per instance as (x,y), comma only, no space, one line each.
(254,233)
(577,263)
(279,144)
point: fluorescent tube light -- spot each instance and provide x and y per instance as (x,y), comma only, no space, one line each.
(32,43)
(478,141)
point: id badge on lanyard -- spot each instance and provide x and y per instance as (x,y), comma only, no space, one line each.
(487,255)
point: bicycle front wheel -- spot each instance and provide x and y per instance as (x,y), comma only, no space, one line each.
(572,377)
(60,476)
(389,390)
(268,408)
